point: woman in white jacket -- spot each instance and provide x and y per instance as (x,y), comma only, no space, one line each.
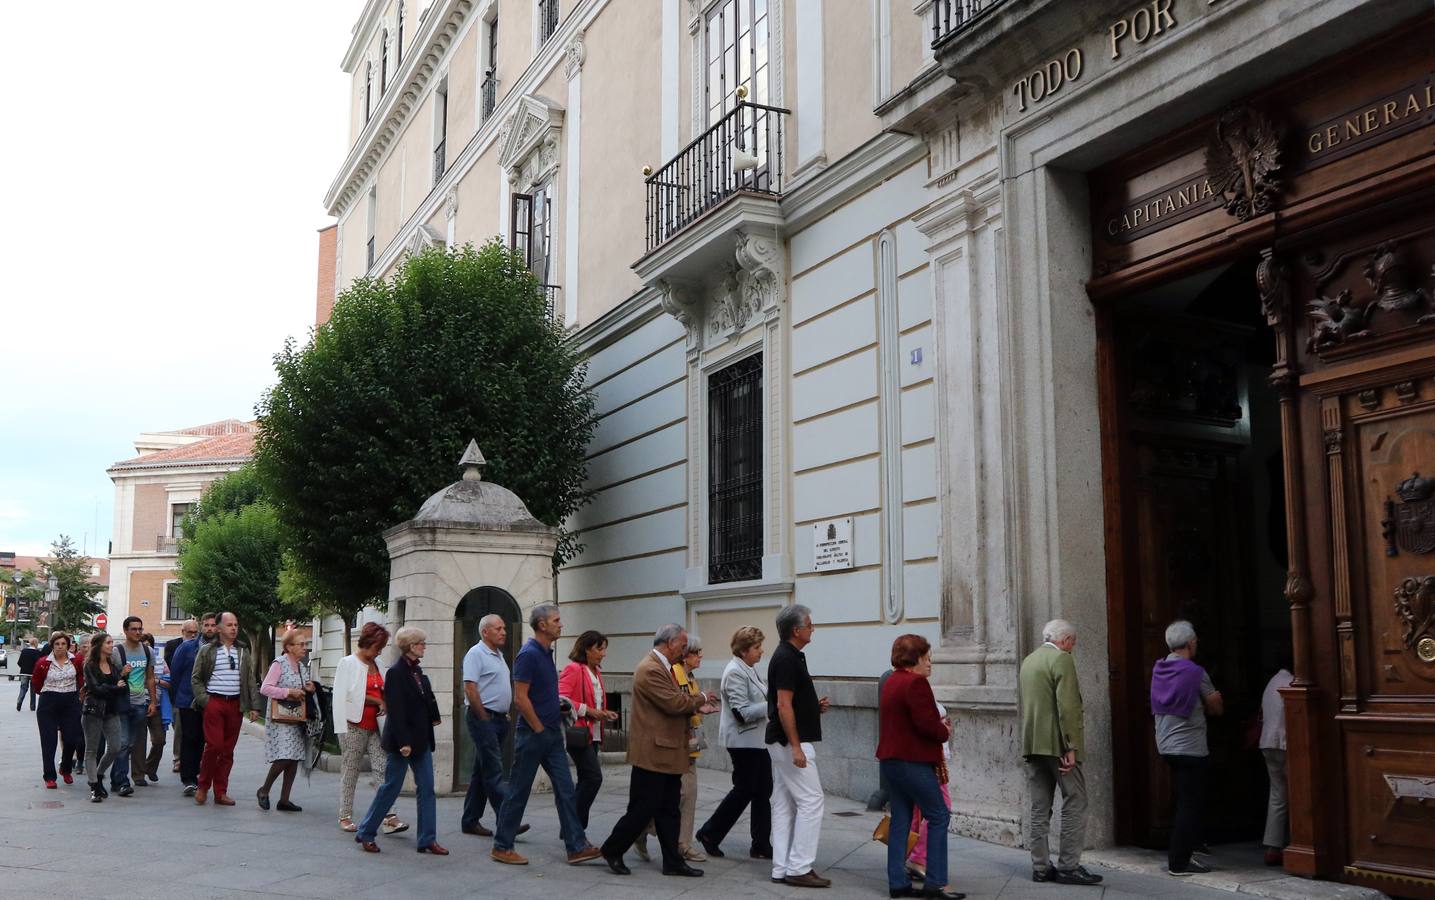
(358,703)
(742,728)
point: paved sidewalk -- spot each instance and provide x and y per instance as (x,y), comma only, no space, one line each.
(55,843)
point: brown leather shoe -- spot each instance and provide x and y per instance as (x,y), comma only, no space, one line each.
(508,857)
(368,846)
(201,795)
(435,849)
(582,856)
(223,800)
(477,830)
(809,879)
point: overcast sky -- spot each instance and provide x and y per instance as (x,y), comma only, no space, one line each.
(163,168)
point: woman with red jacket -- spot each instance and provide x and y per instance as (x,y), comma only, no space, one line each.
(581,682)
(910,753)
(57,681)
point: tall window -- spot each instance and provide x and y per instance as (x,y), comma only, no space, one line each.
(547,19)
(531,229)
(737,54)
(368,90)
(735,472)
(440,111)
(172,612)
(177,512)
(384,63)
(399,33)
(369,243)
(490,69)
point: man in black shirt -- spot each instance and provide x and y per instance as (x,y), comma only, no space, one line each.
(28,657)
(794,724)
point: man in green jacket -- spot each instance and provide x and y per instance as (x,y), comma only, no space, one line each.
(1051,734)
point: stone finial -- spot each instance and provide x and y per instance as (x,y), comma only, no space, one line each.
(472,462)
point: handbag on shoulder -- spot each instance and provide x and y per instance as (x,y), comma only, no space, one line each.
(287,712)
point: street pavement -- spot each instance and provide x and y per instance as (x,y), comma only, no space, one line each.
(159,842)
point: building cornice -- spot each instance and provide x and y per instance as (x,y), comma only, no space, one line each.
(439,28)
(170,468)
(370,149)
(828,188)
(363,30)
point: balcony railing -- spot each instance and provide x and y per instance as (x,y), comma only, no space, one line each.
(550,295)
(438,160)
(950,17)
(741,153)
(490,93)
(369,264)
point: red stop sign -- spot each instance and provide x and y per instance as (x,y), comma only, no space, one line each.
(101,621)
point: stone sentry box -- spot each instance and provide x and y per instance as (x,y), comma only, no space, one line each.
(472,534)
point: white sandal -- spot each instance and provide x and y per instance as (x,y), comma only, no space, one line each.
(392,825)
(347,824)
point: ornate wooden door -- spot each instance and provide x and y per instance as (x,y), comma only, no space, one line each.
(1367,401)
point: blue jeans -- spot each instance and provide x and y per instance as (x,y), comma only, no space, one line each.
(530,750)
(915,784)
(395,768)
(485,785)
(132,722)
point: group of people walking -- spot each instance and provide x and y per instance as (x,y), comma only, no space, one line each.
(99,703)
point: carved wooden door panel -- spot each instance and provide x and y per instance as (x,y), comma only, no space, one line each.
(1370,351)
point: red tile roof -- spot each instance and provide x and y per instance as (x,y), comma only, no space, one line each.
(238,445)
(214,429)
(37,564)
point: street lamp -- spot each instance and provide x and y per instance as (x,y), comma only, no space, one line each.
(15,607)
(52,597)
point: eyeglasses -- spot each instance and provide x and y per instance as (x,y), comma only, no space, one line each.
(233,663)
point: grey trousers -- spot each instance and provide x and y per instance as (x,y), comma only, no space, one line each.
(1043,776)
(1277,833)
(96,727)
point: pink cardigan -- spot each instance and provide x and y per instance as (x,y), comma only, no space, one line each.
(574,683)
(270,688)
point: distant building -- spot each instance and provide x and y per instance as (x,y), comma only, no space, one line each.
(153,493)
(10,563)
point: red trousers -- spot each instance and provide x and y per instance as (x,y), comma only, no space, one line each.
(221,732)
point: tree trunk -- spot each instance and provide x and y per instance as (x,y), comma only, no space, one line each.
(349,621)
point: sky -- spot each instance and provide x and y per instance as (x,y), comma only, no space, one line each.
(162,173)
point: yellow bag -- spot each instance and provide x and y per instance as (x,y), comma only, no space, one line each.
(880,833)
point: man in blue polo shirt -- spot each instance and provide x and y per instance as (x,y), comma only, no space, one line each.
(538,741)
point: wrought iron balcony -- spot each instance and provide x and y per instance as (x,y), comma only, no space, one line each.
(951,17)
(369,264)
(547,19)
(490,93)
(438,160)
(741,153)
(550,295)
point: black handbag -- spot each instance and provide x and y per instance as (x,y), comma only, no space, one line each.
(577,737)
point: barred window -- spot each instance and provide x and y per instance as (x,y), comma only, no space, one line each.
(735,472)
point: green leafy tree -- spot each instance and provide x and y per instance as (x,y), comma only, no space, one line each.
(230,558)
(77,606)
(370,417)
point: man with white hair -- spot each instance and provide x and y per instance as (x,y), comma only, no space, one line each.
(487,695)
(1181,696)
(1051,743)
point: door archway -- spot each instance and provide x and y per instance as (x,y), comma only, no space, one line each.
(471,610)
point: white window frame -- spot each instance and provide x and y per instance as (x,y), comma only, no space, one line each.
(697,29)
(164,603)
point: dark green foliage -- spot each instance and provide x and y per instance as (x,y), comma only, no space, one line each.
(77,607)
(370,418)
(230,559)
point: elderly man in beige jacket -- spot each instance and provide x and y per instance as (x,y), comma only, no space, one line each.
(658,753)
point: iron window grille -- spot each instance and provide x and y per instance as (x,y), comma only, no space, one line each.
(490,93)
(370,255)
(735,472)
(547,19)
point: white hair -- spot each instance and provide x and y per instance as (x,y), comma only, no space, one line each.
(1057,630)
(489,621)
(1180,634)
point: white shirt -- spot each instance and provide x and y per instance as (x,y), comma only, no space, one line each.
(61,677)
(667,663)
(1273,712)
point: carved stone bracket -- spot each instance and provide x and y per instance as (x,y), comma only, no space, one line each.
(685,305)
(753,285)
(574,55)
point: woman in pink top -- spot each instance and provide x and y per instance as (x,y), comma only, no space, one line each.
(581,681)
(285,744)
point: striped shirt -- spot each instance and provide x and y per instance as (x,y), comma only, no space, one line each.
(225,677)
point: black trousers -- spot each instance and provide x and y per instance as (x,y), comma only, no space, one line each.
(58,716)
(1188,780)
(191,745)
(652,797)
(590,779)
(751,784)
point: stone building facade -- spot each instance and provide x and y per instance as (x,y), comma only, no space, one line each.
(926,317)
